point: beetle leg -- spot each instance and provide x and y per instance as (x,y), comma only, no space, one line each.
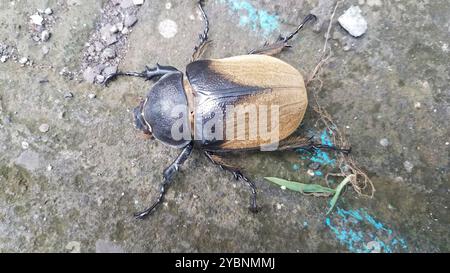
(203,37)
(217,160)
(282,42)
(298,142)
(150,73)
(168,174)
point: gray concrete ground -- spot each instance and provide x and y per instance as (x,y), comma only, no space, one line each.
(74,185)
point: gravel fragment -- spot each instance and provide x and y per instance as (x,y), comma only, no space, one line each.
(353,21)
(23,60)
(384,142)
(89,75)
(44,128)
(100,78)
(48,11)
(108,53)
(130,20)
(45,35)
(25,145)
(408,166)
(68,95)
(138,2)
(37,19)
(109,70)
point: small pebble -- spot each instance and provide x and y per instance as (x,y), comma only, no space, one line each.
(168,28)
(108,53)
(45,50)
(119,26)
(168,5)
(283,187)
(353,21)
(114,29)
(4,58)
(44,128)
(25,145)
(48,11)
(384,142)
(447,143)
(109,70)
(23,60)
(125,30)
(37,19)
(100,78)
(68,95)
(310,172)
(89,75)
(45,35)
(408,166)
(279,206)
(130,20)
(138,2)
(92,96)
(49,167)
(417,105)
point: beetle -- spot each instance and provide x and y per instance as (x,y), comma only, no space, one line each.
(209,89)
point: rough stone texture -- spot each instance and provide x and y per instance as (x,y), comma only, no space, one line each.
(102,171)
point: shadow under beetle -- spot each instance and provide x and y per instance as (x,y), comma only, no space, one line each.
(207,88)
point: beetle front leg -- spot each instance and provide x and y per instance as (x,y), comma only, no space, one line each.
(217,160)
(150,73)
(168,174)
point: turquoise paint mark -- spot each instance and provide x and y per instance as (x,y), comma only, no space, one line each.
(253,17)
(296,167)
(356,228)
(318,173)
(321,156)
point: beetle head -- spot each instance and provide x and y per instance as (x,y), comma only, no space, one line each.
(139,121)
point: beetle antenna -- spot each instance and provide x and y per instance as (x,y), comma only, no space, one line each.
(203,37)
(306,20)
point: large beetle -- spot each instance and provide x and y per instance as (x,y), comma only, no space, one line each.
(179,107)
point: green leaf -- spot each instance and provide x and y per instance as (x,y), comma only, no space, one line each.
(300,187)
(338,192)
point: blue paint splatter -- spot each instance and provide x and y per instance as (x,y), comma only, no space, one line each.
(321,156)
(356,228)
(253,17)
(318,173)
(296,167)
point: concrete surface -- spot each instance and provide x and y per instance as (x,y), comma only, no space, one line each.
(75,187)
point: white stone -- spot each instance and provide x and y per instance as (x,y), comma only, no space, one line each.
(4,58)
(48,11)
(25,145)
(92,96)
(168,28)
(408,166)
(353,21)
(44,128)
(37,19)
(384,142)
(45,35)
(138,2)
(23,60)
